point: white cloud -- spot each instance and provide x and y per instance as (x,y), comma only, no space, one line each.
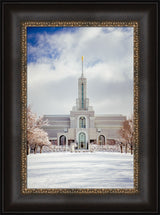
(108,59)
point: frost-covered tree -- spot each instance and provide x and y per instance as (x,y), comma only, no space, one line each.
(36,136)
(126,133)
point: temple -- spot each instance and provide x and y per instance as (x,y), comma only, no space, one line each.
(82,126)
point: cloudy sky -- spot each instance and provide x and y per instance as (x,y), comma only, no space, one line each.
(54,66)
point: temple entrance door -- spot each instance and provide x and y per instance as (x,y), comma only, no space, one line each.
(82,141)
(62,140)
(101,140)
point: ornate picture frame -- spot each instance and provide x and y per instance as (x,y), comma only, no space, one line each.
(24,104)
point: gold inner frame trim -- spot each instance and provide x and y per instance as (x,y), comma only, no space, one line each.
(24,26)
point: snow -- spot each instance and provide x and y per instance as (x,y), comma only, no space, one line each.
(80,170)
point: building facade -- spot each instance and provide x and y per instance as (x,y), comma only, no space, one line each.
(82,126)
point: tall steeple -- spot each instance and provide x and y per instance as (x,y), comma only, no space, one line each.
(82,101)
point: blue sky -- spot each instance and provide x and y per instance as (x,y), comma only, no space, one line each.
(54,66)
(33,34)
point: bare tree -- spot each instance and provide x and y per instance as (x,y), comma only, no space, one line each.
(126,133)
(36,136)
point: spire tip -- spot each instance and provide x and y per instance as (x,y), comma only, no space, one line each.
(82,66)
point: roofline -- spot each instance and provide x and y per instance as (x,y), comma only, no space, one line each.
(110,115)
(56,115)
(97,115)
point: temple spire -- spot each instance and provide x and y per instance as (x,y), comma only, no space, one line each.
(82,66)
(82,101)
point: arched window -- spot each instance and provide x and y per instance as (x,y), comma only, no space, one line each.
(101,140)
(82,122)
(62,140)
(82,140)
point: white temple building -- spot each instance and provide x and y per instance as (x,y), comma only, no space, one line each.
(82,126)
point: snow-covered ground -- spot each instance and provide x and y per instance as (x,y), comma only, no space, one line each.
(80,170)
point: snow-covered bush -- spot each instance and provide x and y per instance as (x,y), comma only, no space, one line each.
(73,147)
(55,148)
(104,148)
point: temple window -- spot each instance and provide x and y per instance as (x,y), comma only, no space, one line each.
(82,122)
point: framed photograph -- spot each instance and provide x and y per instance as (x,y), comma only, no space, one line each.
(80,107)
(85,150)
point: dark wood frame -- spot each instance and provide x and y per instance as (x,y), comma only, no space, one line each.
(13,15)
